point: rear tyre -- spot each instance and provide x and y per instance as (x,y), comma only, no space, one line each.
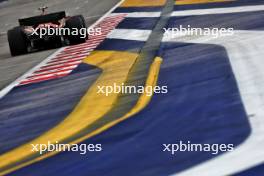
(84,25)
(17,41)
(76,23)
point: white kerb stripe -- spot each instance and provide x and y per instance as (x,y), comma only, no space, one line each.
(218,10)
(130,34)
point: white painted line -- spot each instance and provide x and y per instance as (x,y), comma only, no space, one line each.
(140,14)
(105,15)
(8,88)
(75,52)
(3,33)
(66,67)
(248,70)
(218,10)
(67,58)
(130,34)
(84,47)
(70,68)
(88,45)
(31,78)
(59,59)
(60,55)
(60,64)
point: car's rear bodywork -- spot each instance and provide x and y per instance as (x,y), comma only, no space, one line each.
(24,38)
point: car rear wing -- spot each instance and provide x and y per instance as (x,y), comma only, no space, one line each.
(52,17)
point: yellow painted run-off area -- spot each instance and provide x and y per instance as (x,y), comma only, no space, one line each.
(93,106)
(142,102)
(143,3)
(186,2)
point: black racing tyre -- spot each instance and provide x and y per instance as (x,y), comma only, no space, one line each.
(17,41)
(84,25)
(73,23)
(83,20)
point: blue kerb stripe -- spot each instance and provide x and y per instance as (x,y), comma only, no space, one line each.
(121,45)
(138,23)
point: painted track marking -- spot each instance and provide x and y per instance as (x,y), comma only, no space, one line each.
(115,66)
(249,74)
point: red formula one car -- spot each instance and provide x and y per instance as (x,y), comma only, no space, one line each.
(46,31)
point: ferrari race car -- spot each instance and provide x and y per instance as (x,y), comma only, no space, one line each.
(29,35)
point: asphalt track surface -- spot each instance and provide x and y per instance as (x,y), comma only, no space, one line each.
(215,96)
